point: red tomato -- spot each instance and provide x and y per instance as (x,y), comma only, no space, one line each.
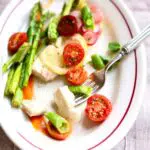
(98,108)
(16,40)
(67,26)
(73,54)
(76,75)
(91,37)
(55,134)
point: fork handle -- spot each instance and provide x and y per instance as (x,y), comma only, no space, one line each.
(130,46)
(134,43)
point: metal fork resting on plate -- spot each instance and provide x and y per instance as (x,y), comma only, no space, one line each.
(99,77)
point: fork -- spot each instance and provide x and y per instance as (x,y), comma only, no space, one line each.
(99,77)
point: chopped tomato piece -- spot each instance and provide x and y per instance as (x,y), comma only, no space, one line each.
(73,54)
(16,40)
(28,91)
(98,108)
(76,75)
(55,134)
(67,26)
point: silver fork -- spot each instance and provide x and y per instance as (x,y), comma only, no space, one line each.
(99,77)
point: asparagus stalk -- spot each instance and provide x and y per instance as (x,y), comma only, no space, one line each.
(42,43)
(81,90)
(22,75)
(17,98)
(17,57)
(30,58)
(52,29)
(67,7)
(35,16)
(87,17)
(61,124)
(9,78)
(15,80)
(36,24)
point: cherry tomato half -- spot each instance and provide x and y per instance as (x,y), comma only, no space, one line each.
(76,75)
(67,26)
(55,134)
(98,108)
(16,40)
(73,54)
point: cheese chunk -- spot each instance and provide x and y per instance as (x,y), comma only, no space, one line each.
(34,107)
(42,71)
(64,100)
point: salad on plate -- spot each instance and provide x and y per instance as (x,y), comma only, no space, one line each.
(58,45)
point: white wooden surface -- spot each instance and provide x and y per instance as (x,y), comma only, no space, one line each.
(138,137)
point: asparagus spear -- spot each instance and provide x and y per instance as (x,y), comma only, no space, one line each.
(30,58)
(15,80)
(87,17)
(52,29)
(60,123)
(17,57)
(47,15)
(34,37)
(22,75)
(35,16)
(81,90)
(42,43)
(17,98)
(9,78)
(67,7)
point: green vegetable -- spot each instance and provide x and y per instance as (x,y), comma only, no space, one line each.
(79,4)
(67,7)
(18,97)
(42,43)
(47,15)
(36,24)
(34,12)
(81,90)
(15,80)
(97,62)
(17,57)
(30,57)
(9,78)
(61,124)
(52,29)
(87,17)
(34,21)
(22,75)
(44,33)
(105,59)
(114,46)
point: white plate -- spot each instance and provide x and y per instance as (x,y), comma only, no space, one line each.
(124,86)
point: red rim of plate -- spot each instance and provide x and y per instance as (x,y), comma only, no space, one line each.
(134,86)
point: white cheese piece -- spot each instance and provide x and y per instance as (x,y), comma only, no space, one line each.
(34,107)
(42,71)
(64,100)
